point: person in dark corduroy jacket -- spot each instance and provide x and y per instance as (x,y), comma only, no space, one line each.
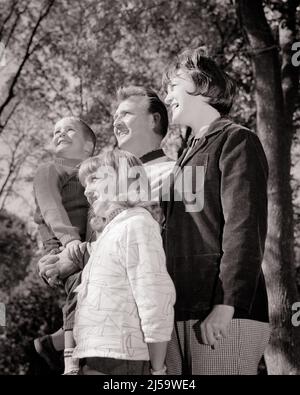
(215,249)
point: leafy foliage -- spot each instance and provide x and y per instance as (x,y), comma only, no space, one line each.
(16,249)
(32,310)
(24,295)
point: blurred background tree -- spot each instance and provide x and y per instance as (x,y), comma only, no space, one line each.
(31,307)
(276,97)
(69,57)
(15,246)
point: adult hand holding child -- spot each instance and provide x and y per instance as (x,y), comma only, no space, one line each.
(54,268)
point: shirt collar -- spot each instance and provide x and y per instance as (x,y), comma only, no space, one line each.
(67,162)
(149,156)
(216,126)
(201,131)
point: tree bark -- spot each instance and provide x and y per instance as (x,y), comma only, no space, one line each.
(275,98)
(12,165)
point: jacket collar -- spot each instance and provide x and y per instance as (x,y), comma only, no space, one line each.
(152,155)
(124,214)
(215,127)
(67,162)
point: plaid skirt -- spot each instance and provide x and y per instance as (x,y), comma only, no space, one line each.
(238,354)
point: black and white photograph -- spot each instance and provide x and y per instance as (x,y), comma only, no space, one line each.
(149,190)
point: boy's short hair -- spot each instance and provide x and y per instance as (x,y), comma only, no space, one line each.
(209,79)
(156,105)
(88,133)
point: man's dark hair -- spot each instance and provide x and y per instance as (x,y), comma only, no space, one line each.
(209,79)
(155,104)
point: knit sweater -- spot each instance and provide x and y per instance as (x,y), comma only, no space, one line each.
(126,296)
(62,208)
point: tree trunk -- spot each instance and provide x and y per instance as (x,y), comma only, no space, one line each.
(275,98)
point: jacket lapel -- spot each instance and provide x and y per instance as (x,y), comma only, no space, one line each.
(219,125)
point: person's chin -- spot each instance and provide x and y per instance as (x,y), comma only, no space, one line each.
(62,148)
(99,207)
(177,119)
(60,151)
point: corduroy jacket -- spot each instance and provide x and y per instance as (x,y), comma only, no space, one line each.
(214,254)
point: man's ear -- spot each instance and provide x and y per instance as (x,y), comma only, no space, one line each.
(156,119)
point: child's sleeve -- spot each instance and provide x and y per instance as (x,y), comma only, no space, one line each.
(150,282)
(48,198)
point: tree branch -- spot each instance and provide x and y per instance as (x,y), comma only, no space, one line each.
(49,81)
(26,56)
(8,190)
(3,126)
(12,165)
(235,54)
(9,15)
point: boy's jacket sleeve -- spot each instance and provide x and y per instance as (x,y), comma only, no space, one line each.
(48,196)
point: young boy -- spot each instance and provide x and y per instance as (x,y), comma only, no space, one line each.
(61,215)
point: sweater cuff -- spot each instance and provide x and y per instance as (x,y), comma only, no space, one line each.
(237,302)
(65,239)
(157,339)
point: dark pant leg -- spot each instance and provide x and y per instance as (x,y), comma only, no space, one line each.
(71,284)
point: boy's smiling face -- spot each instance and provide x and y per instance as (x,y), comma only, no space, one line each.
(69,140)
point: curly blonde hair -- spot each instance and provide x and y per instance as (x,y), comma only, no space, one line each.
(112,159)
